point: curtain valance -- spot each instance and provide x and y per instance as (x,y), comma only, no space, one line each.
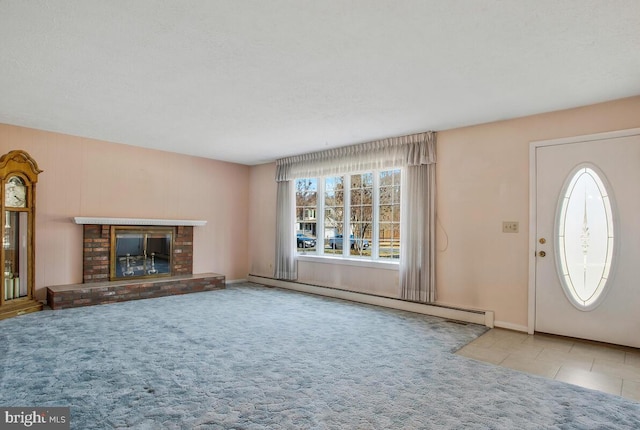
(411,150)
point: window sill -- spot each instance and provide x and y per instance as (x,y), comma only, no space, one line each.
(376,264)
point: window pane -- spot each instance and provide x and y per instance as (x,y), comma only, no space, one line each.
(385,196)
(356,197)
(361,214)
(356,213)
(386,178)
(306,206)
(389,214)
(395,242)
(311,198)
(333,214)
(386,213)
(396,213)
(389,241)
(396,194)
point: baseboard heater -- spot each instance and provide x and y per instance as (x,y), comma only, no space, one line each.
(474,316)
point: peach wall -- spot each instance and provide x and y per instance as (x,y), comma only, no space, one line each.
(482,180)
(87,177)
(262,220)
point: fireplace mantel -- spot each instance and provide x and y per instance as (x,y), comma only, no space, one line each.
(138,221)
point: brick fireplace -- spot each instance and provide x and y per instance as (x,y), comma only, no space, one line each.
(98,288)
(96,253)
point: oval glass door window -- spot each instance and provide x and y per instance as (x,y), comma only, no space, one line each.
(585,237)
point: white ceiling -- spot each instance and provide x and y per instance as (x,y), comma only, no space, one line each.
(250,81)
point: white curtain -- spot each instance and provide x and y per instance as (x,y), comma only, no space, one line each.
(417,246)
(285,267)
(387,153)
(416,154)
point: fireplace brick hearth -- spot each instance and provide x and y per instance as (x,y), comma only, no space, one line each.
(97,288)
(100,293)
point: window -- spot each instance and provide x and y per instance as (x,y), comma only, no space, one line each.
(585,237)
(361,215)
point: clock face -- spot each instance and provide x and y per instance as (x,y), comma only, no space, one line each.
(15,193)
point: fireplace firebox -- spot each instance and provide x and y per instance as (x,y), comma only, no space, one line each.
(140,252)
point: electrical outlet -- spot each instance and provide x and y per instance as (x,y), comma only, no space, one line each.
(510,226)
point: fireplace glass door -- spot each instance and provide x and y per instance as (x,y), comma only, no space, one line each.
(141,252)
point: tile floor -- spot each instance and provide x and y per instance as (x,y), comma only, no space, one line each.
(609,368)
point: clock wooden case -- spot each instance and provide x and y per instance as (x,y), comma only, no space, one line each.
(19,175)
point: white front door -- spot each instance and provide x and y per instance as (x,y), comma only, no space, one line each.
(587,237)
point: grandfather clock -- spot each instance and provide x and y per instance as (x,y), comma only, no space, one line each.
(19,174)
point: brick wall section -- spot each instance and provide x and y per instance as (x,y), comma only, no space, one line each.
(71,296)
(97,245)
(183,251)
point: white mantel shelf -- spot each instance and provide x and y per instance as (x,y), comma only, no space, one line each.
(138,221)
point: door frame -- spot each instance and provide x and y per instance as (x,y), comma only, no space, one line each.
(533,146)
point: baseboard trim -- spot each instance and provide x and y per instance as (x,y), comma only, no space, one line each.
(236,281)
(511,326)
(467,315)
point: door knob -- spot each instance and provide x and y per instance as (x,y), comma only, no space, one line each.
(543,240)
(542,254)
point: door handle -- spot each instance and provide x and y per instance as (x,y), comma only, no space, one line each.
(542,254)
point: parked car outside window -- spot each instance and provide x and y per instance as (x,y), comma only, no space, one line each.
(305,241)
(360,243)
